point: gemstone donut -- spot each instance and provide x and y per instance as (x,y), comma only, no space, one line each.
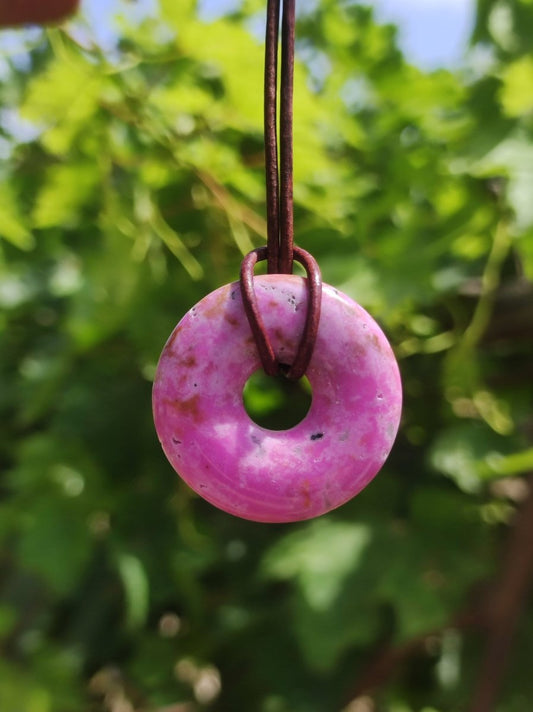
(288,475)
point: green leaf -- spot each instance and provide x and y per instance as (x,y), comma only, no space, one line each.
(517,89)
(64,98)
(513,158)
(13,227)
(332,609)
(67,190)
(136,589)
(319,557)
(495,464)
(458,451)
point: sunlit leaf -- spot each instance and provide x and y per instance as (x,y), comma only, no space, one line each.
(13,227)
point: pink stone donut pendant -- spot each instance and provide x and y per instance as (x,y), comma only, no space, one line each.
(265,475)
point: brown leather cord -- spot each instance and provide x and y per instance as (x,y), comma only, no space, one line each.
(279,178)
(280,251)
(286,223)
(270,364)
(271,133)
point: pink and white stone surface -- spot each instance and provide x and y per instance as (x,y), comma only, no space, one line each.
(287,475)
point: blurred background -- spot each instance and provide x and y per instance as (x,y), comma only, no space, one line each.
(131,185)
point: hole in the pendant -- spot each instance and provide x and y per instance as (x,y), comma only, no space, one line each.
(275,402)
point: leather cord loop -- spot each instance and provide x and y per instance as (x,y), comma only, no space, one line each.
(270,364)
(280,251)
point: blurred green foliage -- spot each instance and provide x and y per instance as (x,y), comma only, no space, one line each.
(139,191)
